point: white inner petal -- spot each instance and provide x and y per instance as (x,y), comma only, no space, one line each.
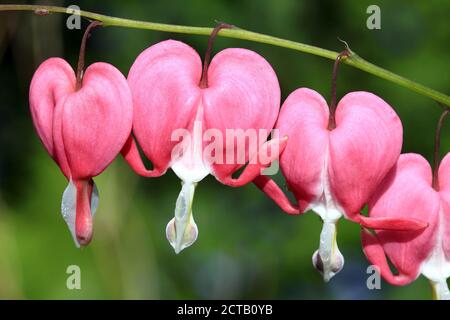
(328,260)
(182,231)
(440,290)
(190,167)
(325,205)
(436,267)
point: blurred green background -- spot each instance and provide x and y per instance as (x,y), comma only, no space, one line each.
(247,248)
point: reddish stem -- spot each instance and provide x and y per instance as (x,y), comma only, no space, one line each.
(437,144)
(80,67)
(332,106)
(204,79)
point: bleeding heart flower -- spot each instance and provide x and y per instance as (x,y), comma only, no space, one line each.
(334,169)
(83,124)
(239,90)
(411,190)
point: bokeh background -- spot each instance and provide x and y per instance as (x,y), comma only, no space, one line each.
(247,248)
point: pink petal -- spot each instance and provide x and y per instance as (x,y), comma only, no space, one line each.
(444,175)
(406,192)
(273,191)
(304,119)
(444,191)
(131,154)
(243,93)
(60,155)
(164,83)
(96,120)
(52,81)
(255,166)
(363,148)
(389,223)
(375,254)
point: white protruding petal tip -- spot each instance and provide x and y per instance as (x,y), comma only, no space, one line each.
(182,231)
(328,260)
(68,209)
(94,200)
(332,269)
(181,242)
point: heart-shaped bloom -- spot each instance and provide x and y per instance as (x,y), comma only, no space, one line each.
(83,129)
(335,171)
(407,192)
(199,129)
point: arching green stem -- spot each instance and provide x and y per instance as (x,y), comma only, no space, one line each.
(354,60)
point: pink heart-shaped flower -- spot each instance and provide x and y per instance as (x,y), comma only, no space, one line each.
(407,192)
(171,105)
(82,130)
(337,169)
(334,172)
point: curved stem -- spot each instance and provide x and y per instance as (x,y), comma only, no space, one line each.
(80,66)
(332,120)
(437,145)
(354,60)
(207,59)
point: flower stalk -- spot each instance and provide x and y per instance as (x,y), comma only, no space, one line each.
(354,60)
(207,59)
(81,59)
(332,120)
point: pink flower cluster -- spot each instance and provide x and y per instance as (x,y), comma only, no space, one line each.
(335,161)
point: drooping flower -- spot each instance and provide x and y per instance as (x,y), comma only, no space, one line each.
(411,190)
(174,100)
(334,162)
(83,123)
